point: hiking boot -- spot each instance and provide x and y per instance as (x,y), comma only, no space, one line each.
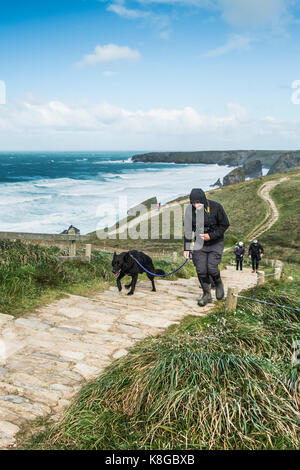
(219,288)
(206,297)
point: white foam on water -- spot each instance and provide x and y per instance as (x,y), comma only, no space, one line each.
(51,205)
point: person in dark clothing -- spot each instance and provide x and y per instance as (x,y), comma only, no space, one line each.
(255,252)
(239,252)
(208,245)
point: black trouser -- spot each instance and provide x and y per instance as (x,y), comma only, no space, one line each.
(255,262)
(239,263)
(207,260)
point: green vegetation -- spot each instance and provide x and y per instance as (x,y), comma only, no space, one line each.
(216,382)
(245,210)
(229,157)
(244,207)
(283,237)
(32,275)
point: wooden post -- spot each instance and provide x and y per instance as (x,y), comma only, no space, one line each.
(277,274)
(72,249)
(231,301)
(260,278)
(278,269)
(88,251)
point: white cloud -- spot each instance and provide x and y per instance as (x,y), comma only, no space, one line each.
(239,13)
(159,22)
(209,4)
(109,53)
(254,13)
(234,43)
(57,125)
(126,12)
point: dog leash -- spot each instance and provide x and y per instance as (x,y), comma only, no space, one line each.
(160,275)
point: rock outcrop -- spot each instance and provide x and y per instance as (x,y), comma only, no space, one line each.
(217,183)
(235,176)
(253,169)
(286,162)
(71,231)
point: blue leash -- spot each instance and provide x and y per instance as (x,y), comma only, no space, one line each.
(160,275)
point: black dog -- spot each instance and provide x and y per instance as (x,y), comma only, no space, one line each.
(123,264)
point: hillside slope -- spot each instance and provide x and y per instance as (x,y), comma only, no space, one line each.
(221,381)
(245,209)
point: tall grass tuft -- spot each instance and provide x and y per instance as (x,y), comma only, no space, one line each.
(215,382)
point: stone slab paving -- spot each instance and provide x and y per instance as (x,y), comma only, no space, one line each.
(46,356)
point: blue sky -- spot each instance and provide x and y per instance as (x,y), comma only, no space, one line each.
(149,74)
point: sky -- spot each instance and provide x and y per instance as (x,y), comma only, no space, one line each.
(149,75)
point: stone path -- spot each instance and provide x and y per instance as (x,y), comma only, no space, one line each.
(46,357)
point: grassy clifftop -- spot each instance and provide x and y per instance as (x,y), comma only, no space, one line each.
(224,381)
(245,210)
(230,157)
(31,275)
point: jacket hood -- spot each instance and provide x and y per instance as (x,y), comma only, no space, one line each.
(198,195)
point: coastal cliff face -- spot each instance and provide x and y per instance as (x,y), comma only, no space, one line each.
(231,158)
(286,162)
(228,157)
(235,176)
(253,169)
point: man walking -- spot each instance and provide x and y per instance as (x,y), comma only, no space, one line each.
(255,252)
(209,245)
(239,252)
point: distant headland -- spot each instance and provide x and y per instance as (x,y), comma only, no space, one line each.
(221,157)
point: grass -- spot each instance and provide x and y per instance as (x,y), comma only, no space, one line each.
(245,210)
(216,382)
(244,193)
(32,275)
(283,238)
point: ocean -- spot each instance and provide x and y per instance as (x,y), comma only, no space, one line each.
(45,192)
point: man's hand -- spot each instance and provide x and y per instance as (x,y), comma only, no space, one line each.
(186,254)
(249,256)
(205,237)
(262,255)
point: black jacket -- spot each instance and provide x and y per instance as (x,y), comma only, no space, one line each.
(215,219)
(239,252)
(255,250)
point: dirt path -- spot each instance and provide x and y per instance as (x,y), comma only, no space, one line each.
(272,211)
(47,356)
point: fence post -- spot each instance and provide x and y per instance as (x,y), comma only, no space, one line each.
(277,273)
(231,301)
(278,269)
(260,278)
(72,249)
(88,251)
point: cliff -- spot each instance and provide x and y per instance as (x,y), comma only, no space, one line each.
(253,169)
(286,162)
(235,176)
(228,157)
